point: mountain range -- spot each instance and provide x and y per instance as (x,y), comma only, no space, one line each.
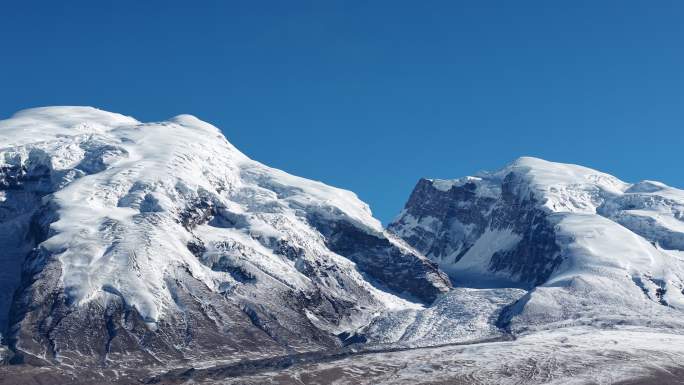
(158,252)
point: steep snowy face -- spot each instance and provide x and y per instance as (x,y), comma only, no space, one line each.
(584,242)
(147,227)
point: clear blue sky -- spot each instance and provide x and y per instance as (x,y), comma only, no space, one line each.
(372,95)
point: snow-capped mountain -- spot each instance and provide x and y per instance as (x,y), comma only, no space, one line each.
(588,247)
(127,242)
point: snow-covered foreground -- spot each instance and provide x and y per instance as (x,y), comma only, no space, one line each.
(565,356)
(576,355)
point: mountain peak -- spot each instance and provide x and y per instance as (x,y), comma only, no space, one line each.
(559,230)
(158,222)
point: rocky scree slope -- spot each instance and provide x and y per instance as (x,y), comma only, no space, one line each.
(129,244)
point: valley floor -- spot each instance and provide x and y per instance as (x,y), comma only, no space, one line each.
(629,356)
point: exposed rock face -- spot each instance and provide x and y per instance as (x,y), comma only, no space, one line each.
(386,259)
(446,224)
(128,243)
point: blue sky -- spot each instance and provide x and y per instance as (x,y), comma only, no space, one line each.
(372,95)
